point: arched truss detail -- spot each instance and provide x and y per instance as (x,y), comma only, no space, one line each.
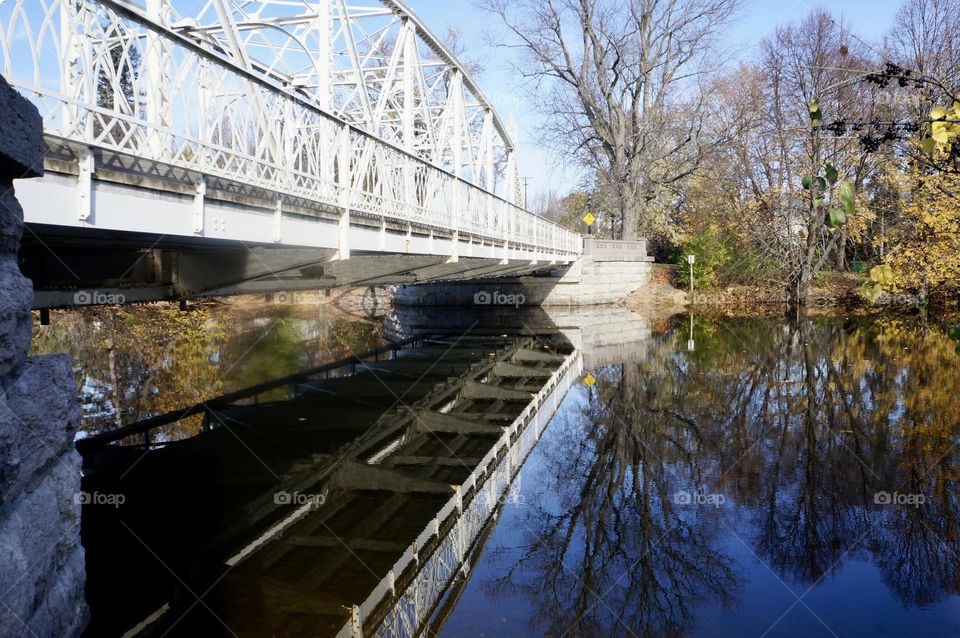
(373,63)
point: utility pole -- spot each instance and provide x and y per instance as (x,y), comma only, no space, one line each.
(526,192)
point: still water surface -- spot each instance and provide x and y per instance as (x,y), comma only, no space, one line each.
(776,480)
(139,361)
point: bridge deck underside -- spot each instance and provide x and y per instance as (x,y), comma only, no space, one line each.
(70,267)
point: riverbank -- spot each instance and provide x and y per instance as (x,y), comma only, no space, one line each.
(834,292)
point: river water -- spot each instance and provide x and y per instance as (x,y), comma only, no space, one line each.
(774,481)
(138,361)
(736,477)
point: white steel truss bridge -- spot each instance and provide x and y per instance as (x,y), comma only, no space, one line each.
(244,145)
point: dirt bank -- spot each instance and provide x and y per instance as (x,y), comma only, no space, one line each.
(835,292)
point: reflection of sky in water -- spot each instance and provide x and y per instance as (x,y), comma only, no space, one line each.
(861,570)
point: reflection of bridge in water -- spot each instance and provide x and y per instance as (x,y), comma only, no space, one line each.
(345,500)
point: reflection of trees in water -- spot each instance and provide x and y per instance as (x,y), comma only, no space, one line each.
(800,426)
(919,562)
(137,361)
(918,548)
(806,520)
(840,412)
(606,547)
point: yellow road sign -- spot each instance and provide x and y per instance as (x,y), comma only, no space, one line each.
(589,218)
(590,380)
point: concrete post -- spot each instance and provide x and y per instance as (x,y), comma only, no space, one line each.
(41,559)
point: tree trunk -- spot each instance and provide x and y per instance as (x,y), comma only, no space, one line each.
(630,211)
(841,261)
(799,291)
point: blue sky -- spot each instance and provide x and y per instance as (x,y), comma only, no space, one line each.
(870,20)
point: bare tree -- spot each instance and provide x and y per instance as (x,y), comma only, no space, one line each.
(565,210)
(610,75)
(453,40)
(926,38)
(818,59)
(546,203)
(775,184)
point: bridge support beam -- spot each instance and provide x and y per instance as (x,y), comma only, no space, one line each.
(67,271)
(86,165)
(360,476)
(42,570)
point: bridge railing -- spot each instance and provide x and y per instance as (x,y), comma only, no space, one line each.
(104,75)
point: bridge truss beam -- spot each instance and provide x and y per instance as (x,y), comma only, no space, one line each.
(354,112)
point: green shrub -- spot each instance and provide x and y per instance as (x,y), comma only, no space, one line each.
(711,253)
(748,265)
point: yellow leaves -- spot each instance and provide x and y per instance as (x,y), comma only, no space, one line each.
(873,292)
(859,224)
(816,115)
(944,129)
(882,274)
(881,277)
(940,133)
(924,249)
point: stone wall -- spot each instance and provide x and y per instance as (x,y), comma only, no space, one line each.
(41,559)
(616,249)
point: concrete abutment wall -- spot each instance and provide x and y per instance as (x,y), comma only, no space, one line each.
(41,559)
(607,272)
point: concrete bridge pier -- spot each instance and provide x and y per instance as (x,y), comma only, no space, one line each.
(41,559)
(607,271)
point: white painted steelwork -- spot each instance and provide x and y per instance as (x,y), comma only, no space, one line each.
(355,109)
